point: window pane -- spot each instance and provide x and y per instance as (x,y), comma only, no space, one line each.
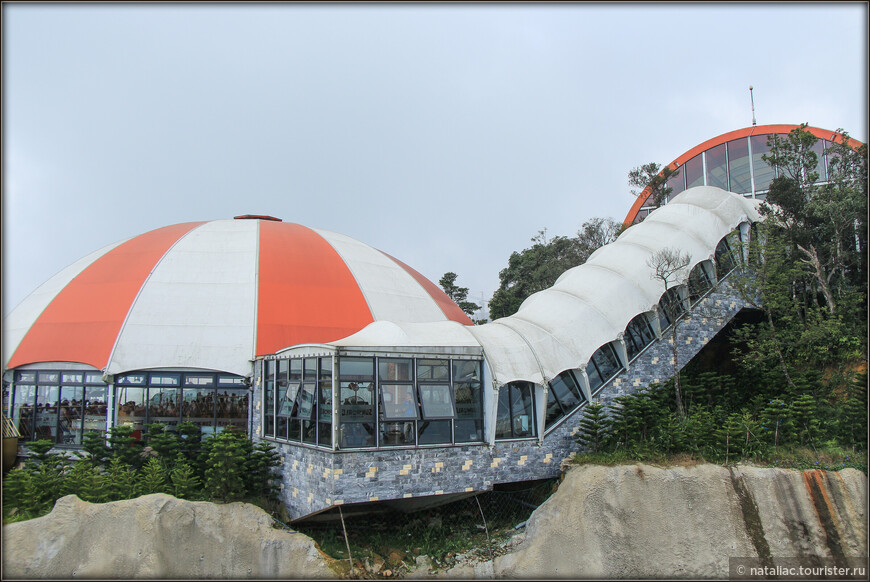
(22,413)
(199,379)
(554,409)
(465,431)
(72,378)
(436,401)
(131,409)
(567,391)
(725,260)
(95,408)
(232,409)
(435,432)
(522,409)
(198,407)
(303,407)
(394,369)
(763,171)
(49,377)
(468,400)
(606,361)
(503,416)
(699,282)
(356,434)
(738,166)
(163,405)
(131,380)
(46,411)
(694,170)
(819,149)
(356,369)
(398,402)
(595,380)
(638,334)
(357,402)
(717,174)
(397,434)
(310,372)
(677,183)
(295,371)
(268,397)
(164,379)
(71,414)
(433,370)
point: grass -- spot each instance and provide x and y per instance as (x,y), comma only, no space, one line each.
(828,457)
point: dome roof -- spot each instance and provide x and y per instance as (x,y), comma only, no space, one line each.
(214,295)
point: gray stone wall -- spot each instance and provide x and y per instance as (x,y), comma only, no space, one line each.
(315,479)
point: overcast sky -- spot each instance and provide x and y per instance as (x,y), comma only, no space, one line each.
(444,135)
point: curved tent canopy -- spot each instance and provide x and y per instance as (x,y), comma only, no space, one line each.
(589,305)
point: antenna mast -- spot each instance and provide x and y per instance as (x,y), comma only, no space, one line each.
(751,98)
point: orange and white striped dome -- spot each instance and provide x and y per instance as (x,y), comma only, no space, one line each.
(214,295)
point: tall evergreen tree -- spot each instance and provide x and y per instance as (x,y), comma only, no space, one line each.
(594,427)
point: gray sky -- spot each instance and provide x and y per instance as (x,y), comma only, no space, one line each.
(445,135)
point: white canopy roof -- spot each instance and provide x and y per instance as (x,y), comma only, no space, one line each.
(589,305)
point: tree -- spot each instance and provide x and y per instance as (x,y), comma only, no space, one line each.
(594,427)
(669,266)
(654,177)
(458,294)
(225,475)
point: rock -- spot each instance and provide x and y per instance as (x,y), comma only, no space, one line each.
(157,536)
(640,521)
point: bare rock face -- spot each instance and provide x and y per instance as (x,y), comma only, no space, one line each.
(157,536)
(639,521)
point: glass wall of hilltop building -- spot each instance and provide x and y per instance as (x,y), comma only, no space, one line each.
(372,401)
(736,166)
(62,405)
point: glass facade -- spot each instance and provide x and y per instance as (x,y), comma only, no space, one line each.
(735,166)
(57,405)
(212,401)
(379,401)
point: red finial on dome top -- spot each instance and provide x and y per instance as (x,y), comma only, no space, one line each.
(257,217)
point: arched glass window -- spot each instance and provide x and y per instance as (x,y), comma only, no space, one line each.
(725,258)
(699,282)
(563,397)
(602,366)
(638,335)
(516,411)
(670,307)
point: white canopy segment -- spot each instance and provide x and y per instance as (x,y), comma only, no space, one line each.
(590,305)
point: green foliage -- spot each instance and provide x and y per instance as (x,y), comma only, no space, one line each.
(594,427)
(86,481)
(458,294)
(40,449)
(153,478)
(121,480)
(164,442)
(94,443)
(260,471)
(185,484)
(122,444)
(654,177)
(225,475)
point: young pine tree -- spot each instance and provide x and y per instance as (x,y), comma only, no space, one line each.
(184,482)
(225,468)
(94,443)
(152,478)
(120,480)
(594,427)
